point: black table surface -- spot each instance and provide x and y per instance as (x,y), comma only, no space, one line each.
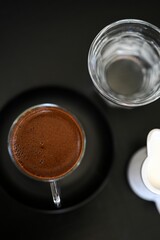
(46,45)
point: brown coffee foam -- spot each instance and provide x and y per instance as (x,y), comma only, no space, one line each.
(47,142)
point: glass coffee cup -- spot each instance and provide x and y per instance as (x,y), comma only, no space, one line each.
(47,143)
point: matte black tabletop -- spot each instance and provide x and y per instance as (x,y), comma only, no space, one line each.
(44,48)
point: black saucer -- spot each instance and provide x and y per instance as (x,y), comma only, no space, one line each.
(87,179)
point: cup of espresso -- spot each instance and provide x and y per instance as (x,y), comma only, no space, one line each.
(46,143)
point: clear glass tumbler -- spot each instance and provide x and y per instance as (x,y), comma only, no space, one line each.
(124,63)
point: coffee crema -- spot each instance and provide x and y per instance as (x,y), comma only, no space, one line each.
(46,142)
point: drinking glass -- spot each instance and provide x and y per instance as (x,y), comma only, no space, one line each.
(124,63)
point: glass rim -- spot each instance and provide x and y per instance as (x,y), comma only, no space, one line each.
(135,103)
(130,21)
(123,21)
(32,176)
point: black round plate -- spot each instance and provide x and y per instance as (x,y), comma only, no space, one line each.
(87,179)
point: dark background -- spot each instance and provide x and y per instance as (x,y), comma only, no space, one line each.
(47,44)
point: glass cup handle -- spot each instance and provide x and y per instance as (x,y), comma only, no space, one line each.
(55,193)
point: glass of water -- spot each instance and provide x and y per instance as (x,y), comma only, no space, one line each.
(124,63)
